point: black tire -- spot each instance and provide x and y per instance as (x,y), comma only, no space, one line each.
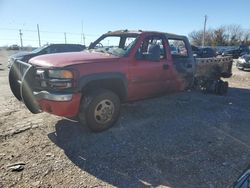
(225,88)
(99,109)
(14,85)
(217,87)
(222,87)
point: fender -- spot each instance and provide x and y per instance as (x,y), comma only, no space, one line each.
(85,80)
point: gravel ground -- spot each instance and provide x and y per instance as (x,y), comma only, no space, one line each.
(182,140)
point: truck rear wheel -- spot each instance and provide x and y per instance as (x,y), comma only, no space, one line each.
(99,109)
(224,88)
(221,87)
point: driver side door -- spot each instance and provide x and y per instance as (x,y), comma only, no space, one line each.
(148,71)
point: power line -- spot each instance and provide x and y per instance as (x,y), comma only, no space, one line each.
(45,31)
(9,39)
(9,29)
(30,36)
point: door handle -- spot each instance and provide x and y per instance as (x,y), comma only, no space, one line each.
(165,66)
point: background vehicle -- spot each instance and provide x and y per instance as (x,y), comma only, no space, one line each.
(220,50)
(243,62)
(195,50)
(206,53)
(13,47)
(119,66)
(174,50)
(236,52)
(244,180)
(47,49)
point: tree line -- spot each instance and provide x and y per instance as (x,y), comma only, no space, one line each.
(230,35)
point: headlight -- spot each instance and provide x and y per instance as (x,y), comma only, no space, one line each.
(10,61)
(60,74)
(55,79)
(242,60)
(60,79)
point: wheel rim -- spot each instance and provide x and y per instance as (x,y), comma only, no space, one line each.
(104,111)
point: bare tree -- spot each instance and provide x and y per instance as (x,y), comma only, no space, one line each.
(209,36)
(235,33)
(246,37)
(196,37)
(222,36)
(219,37)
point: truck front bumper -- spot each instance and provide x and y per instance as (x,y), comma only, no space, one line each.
(22,83)
(66,105)
(52,96)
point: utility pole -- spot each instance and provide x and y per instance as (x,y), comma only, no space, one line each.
(65,38)
(38,32)
(82,35)
(83,39)
(21,37)
(204,31)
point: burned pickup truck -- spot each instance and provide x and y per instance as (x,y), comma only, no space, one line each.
(118,67)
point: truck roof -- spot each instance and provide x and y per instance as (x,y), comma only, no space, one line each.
(137,32)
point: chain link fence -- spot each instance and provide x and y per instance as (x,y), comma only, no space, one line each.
(30,38)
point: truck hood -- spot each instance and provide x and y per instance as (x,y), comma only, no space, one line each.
(71,58)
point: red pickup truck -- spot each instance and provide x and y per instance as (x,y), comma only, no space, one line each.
(119,66)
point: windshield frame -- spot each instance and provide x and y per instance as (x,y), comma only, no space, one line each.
(123,37)
(39,49)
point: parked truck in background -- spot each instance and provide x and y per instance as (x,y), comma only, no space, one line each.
(118,67)
(25,56)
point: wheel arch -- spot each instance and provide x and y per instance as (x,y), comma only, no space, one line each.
(116,82)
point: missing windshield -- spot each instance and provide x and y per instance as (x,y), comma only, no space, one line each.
(115,45)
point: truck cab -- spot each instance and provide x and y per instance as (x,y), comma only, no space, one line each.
(152,67)
(118,67)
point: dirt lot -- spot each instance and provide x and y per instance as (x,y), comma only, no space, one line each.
(182,140)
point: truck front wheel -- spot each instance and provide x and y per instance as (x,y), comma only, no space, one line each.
(99,109)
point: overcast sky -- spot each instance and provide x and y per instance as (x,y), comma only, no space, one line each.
(56,17)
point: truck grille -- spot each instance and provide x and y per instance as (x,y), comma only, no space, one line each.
(20,69)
